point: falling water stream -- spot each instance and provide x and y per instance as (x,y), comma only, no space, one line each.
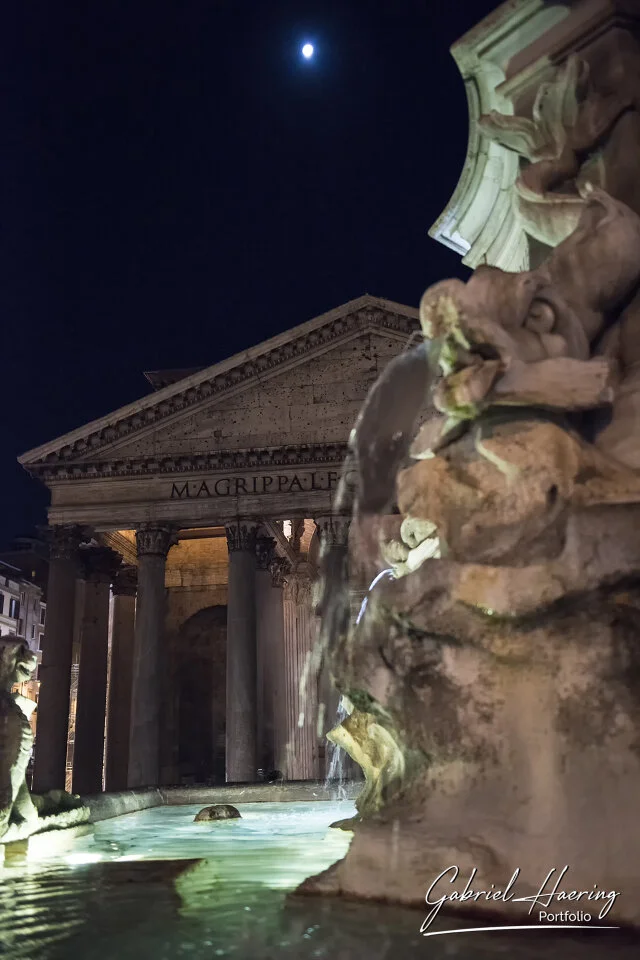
(335,780)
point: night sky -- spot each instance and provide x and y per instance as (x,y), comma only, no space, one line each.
(178,184)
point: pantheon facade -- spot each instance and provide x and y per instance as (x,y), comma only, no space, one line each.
(185,531)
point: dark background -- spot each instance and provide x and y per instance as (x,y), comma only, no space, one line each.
(179,184)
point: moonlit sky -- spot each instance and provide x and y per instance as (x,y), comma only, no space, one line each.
(179,183)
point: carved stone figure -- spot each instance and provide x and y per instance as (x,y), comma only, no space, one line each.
(563,144)
(17,663)
(21,814)
(496,502)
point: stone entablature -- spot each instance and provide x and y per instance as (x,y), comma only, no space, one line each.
(223,460)
(118,504)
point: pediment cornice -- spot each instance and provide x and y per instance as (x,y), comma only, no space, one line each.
(231,461)
(267,359)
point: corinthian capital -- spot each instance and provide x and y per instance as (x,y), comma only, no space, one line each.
(241,535)
(155,540)
(280,569)
(333,530)
(298,586)
(65,539)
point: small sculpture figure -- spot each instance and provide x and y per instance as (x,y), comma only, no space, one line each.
(21,814)
(218,811)
(17,663)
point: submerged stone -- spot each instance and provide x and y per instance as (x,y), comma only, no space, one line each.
(218,811)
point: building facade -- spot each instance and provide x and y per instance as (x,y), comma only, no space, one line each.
(185,531)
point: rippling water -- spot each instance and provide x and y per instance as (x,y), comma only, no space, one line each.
(155,885)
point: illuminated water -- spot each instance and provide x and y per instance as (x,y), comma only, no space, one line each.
(155,886)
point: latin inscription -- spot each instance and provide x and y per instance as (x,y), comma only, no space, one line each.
(315,480)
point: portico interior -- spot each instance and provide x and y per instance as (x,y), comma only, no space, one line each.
(185,531)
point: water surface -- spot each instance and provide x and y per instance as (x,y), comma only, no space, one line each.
(156,885)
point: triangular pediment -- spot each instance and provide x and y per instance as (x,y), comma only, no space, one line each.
(301,388)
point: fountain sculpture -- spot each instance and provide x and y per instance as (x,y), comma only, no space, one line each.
(22,814)
(494,673)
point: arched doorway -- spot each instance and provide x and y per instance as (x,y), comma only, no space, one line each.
(201,649)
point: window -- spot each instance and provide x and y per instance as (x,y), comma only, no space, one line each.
(1,602)
(42,615)
(14,608)
(33,631)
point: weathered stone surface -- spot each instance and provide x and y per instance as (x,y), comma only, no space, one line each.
(493,670)
(219,811)
(527,730)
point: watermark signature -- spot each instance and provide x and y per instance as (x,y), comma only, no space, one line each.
(551,894)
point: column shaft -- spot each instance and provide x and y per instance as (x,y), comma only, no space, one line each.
(241,654)
(301,696)
(55,669)
(264,704)
(153,544)
(120,681)
(279,569)
(88,751)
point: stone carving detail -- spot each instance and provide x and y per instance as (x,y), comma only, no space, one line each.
(280,569)
(298,587)
(65,539)
(228,460)
(495,506)
(17,663)
(155,539)
(241,535)
(563,144)
(257,367)
(125,582)
(20,813)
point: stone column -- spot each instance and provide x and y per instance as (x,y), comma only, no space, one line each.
(300,677)
(241,653)
(120,679)
(279,568)
(268,636)
(154,542)
(333,531)
(98,567)
(55,669)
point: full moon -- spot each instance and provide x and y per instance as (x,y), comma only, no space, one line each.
(307,51)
